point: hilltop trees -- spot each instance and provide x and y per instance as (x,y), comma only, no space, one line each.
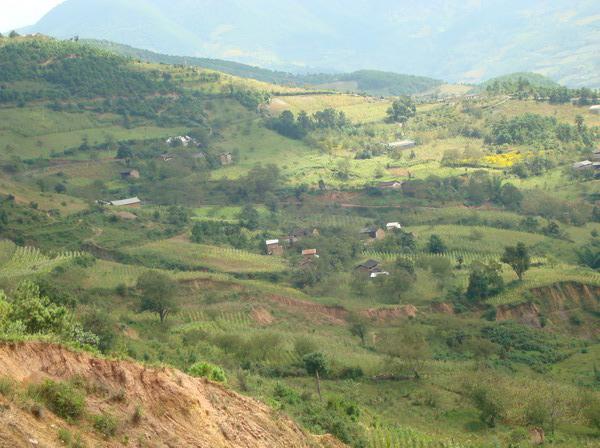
(157,294)
(297,128)
(517,258)
(401,110)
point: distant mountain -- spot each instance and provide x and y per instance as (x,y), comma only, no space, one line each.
(372,82)
(467,41)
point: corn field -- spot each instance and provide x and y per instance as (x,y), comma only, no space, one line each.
(406,438)
(29,260)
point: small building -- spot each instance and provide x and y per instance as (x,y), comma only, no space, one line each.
(596,156)
(402,145)
(596,165)
(273,247)
(391,226)
(595,109)
(583,165)
(378,273)
(130,202)
(368,266)
(373,232)
(390,185)
(130,174)
(310,253)
(226,158)
(182,140)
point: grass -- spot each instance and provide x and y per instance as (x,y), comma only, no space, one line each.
(490,240)
(359,109)
(197,256)
(562,112)
(37,131)
(26,194)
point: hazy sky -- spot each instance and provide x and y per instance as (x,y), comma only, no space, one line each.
(18,13)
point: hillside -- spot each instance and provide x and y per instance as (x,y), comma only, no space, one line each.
(150,406)
(393,273)
(371,82)
(462,42)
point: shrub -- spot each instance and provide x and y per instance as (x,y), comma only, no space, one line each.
(61,398)
(210,371)
(105,424)
(7,387)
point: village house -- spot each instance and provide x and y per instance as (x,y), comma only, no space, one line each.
(390,185)
(596,156)
(368,266)
(595,109)
(273,247)
(297,234)
(130,174)
(402,145)
(226,158)
(391,226)
(182,140)
(373,232)
(583,165)
(310,253)
(378,273)
(130,202)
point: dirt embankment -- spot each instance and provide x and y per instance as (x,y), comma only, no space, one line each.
(337,314)
(557,304)
(177,410)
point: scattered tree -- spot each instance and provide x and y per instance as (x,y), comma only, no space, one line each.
(157,294)
(401,110)
(517,258)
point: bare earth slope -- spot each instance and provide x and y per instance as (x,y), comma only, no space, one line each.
(178,410)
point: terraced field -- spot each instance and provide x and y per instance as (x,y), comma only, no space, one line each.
(199,256)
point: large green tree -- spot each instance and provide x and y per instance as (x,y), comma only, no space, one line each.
(157,292)
(401,110)
(517,258)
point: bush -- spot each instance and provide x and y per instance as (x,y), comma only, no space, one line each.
(7,387)
(210,371)
(105,424)
(61,398)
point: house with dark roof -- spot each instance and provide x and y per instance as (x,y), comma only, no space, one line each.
(368,266)
(373,232)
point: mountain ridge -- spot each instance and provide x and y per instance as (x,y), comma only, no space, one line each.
(469,42)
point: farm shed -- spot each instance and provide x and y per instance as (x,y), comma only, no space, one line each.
(226,158)
(583,165)
(273,247)
(130,202)
(130,174)
(373,232)
(390,185)
(402,144)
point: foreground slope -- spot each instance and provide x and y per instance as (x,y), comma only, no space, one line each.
(177,410)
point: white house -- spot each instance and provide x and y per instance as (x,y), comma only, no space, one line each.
(393,226)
